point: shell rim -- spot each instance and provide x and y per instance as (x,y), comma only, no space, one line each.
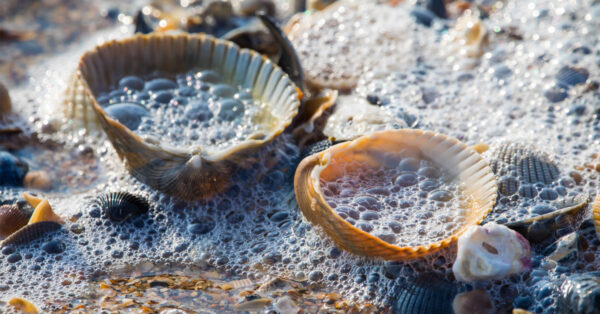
(401,252)
(215,155)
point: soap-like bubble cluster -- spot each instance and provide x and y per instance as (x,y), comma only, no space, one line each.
(409,202)
(518,91)
(197,109)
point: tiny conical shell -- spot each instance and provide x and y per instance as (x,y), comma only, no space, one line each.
(473,173)
(189,174)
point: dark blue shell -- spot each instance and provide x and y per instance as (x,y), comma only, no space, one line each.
(428,293)
(12,170)
(118,206)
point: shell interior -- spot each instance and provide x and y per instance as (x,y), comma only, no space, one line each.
(189,169)
(397,194)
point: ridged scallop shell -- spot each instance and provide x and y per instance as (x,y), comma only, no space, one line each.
(119,206)
(31,232)
(524,173)
(189,174)
(475,177)
(11,219)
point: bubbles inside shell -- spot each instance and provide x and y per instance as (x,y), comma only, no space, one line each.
(407,200)
(195,109)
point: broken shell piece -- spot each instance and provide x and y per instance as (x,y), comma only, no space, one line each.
(596,215)
(22,305)
(5,103)
(491,251)
(467,38)
(380,156)
(196,171)
(353,116)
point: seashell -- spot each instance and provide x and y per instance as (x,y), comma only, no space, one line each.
(340,28)
(252,7)
(22,306)
(42,211)
(491,251)
(312,113)
(288,59)
(580,293)
(468,38)
(119,206)
(528,185)
(354,116)
(12,170)
(31,232)
(5,103)
(11,219)
(564,250)
(569,76)
(571,205)
(596,215)
(385,149)
(428,293)
(195,172)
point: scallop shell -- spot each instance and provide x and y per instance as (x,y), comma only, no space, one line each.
(11,219)
(189,174)
(475,177)
(31,232)
(119,206)
(531,176)
(335,45)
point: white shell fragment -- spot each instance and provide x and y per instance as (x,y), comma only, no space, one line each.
(491,251)
(468,38)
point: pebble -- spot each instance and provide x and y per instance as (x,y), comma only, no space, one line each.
(38,180)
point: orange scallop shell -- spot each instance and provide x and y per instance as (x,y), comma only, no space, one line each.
(473,173)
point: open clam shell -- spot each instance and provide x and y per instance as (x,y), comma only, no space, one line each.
(193,172)
(474,178)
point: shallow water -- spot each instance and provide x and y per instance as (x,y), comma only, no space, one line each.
(512,93)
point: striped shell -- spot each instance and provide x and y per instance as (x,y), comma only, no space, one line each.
(31,232)
(189,174)
(11,219)
(473,173)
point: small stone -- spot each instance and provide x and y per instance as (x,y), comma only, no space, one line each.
(38,180)
(53,247)
(473,302)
